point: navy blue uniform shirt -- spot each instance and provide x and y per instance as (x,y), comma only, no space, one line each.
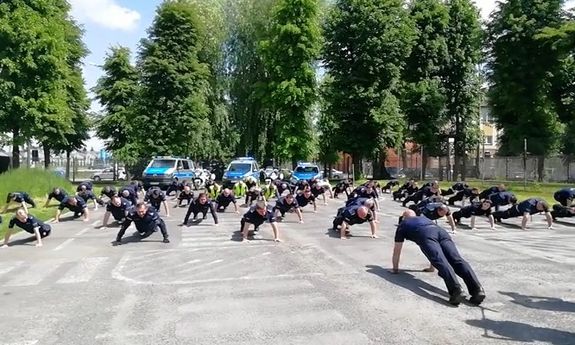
(474,210)
(529,206)
(253,217)
(143,224)
(414,229)
(29,225)
(565,193)
(59,197)
(282,205)
(303,201)
(350,216)
(501,198)
(119,212)
(223,200)
(80,204)
(430,210)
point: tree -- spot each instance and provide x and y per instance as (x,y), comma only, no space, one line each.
(173,110)
(461,80)
(366,44)
(118,91)
(290,54)
(327,128)
(521,76)
(424,96)
(33,71)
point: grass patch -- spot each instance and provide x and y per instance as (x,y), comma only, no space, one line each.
(37,183)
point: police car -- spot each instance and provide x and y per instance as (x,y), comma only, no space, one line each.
(239,169)
(162,170)
(305,171)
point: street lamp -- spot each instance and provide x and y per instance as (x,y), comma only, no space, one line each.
(449,163)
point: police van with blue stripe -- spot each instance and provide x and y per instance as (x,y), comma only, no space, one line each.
(239,169)
(162,170)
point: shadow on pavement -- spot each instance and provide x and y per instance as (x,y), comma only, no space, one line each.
(509,226)
(522,332)
(23,241)
(541,303)
(564,223)
(411,283)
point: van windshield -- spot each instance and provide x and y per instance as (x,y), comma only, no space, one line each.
(163,163)
(240,167)
(306,170)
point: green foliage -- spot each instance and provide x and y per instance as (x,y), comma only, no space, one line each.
(290,54)
(366,45)
(521,76)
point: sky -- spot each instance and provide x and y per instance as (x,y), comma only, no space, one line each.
(109,23)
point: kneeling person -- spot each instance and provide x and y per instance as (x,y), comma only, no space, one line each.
(147,222)
(29,224)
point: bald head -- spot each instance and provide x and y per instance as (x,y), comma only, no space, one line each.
(362,212)
(409,213)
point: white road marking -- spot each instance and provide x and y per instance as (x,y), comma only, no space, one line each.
(95,223)
(35,273)
(63,244)
(83,271)
(82,232)
(25,342)
(6,267)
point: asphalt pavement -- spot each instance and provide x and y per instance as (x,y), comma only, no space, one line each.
(206,287)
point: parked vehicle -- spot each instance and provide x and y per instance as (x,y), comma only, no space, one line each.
(240,168)
(305,171)
(108,175)
(162,170)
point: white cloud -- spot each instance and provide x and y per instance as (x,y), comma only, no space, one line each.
(486,7)
(106,13)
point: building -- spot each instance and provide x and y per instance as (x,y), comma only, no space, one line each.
(489,129)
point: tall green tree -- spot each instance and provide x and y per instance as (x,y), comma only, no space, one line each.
(461,79)
(290,55)
(173,110)
(520,75)
(366,45)
(34,71)
(424,96)
(118,91)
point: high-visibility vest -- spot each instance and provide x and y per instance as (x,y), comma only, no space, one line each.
(240,189)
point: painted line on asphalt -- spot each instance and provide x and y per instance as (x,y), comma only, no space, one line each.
(82,232)
(25,342)
(63,244)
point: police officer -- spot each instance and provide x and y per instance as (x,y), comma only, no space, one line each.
(224,199)
(367,202)
(425,202)
(424,192)
(565,196)
(186,195)
(138,187)
(20,198)
(129,193)
(254,194)
(286,204)
(212,188)
(353,215)
(240,189)
(118,208)
(491,190)
(365,192)
(156,198)
(86,185)
(88,195)
(389,186)
(409,188)
(282,187)
(343,186)
(318,190)
(108,191)
(560,211)
(250,182)
(75,204)
(256,216)
(305,198)
(502,199)
(435,211)
(147,222)
(301,185)
(29,224)
(474,210)
(269,190)
(467,193)
(526,208)
(201,205)
(441,252)
(457,187)
(57,193)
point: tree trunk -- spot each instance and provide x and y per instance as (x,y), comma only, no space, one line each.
(424,159)
(464,166)
(456,166)
(404,156)
(356,159)
(15,148)
(540,168)
(379,170)
(68,165)
(477,162)
(46,150)
(440,166)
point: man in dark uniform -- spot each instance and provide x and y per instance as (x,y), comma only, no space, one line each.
(491,190)
(201,205)
(470,194)
(253,194)
(57,193)
(256,216)
(409,188)
(138,187)
(502,199)
(351,216)
(305,198)
(129,193)
(365,192)
(424,192)
(29,224)
(224,199)
(118,208)
(343,186)
(525,209)
(187,195)
(441,252)
(435,211)
(156,198)
(565,196)
(75,204)
(86,185)
(147,222)
(108,191)
(20,198)
(425,202)
(287,204)
(475,209)
(457,187)
(88,195)
(282,187)
(318,190)
(367,202)
(560,211)
(389,186)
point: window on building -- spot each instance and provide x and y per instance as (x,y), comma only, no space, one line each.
(488,140)
(485,114)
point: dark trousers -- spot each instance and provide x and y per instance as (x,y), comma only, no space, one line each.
(243,223)
(560,211)
(509,213)
(45,230)
(145,233)
(222,207)
(443,255)
(457,197)
(447,191)
(415,197)
(564,201)
(28,200)
(399,194)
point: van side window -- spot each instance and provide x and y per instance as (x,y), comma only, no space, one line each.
(179,165)
(186,165)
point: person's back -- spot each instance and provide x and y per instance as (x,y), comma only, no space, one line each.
(411,228)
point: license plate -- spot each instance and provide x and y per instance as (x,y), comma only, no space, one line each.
(154,183)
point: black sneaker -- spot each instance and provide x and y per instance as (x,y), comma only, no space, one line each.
(456,298)
(166,240)
(477,298)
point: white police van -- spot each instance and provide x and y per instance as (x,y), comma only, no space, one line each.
(239,169)
(162,170)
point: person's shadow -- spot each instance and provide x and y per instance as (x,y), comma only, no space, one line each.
(542,303)
(522,332)
(23,241)
(408,281)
